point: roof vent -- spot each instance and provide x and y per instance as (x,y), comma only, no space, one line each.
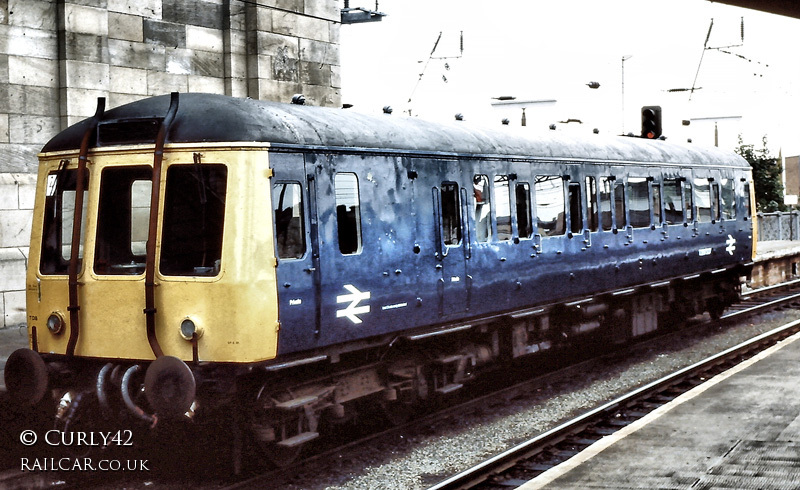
(299,99)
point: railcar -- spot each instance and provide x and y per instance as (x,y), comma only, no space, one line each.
(199,256)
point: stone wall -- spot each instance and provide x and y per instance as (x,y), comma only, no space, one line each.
(57,57)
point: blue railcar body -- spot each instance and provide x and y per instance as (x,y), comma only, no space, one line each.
(404,277)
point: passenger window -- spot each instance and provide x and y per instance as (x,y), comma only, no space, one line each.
(348,213)
(287,205)
(481,210)
(673,207)
(575,208)
(59,213)
(591,203)
(123,219)
(715,208)
(605,203)
(728,199)
(550,206)
(639,202)
(194,218)
(451,214)
(703,190)
(503,209)
(689,197)
(524,222)
(747,209)
(655,193)
(619,205)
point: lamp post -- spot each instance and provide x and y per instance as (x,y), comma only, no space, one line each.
(624,58)
(716,119)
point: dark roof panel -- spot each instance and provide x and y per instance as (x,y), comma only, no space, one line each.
(219,118)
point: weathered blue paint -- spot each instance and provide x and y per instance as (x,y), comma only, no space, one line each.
(405,278)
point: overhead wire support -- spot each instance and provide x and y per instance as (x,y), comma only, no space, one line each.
(432,57)
(721,49)
(697,73)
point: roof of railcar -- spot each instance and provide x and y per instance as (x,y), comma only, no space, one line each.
(218,118)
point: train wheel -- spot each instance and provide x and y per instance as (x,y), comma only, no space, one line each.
(715,309)
(397,412)
(280,456)
(271,425)
(271,450)
(409,387)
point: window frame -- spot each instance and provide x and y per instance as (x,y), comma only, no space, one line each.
(447,230)
(302,219)
(109,199)
(559,225)
(212,271)
(528,214)
(635,186)
(481,207)
(353,222)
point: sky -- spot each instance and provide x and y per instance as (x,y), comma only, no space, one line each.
(536,51)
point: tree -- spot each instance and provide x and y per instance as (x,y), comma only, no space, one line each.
(766,176)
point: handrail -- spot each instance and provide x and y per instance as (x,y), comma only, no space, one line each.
(150,264)
(77,221)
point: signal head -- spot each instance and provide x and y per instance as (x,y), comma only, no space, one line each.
(651,121)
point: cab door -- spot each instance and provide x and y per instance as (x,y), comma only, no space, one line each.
(296,251)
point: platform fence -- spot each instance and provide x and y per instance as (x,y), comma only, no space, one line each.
(779,226)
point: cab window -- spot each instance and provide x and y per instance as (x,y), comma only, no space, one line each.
(59,214)
(122,220)
(194,212)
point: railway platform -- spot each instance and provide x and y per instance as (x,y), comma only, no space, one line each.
(775,262)
(741,429)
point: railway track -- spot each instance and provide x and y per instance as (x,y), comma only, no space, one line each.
(520,464)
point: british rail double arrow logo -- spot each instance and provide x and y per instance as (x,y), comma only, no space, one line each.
(731,244)
(354,298)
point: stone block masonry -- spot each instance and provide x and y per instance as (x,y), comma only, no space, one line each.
(16,205)
(56,58)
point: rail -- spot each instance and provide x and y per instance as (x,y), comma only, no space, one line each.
(494,467)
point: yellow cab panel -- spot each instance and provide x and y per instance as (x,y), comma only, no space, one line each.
(206,277)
